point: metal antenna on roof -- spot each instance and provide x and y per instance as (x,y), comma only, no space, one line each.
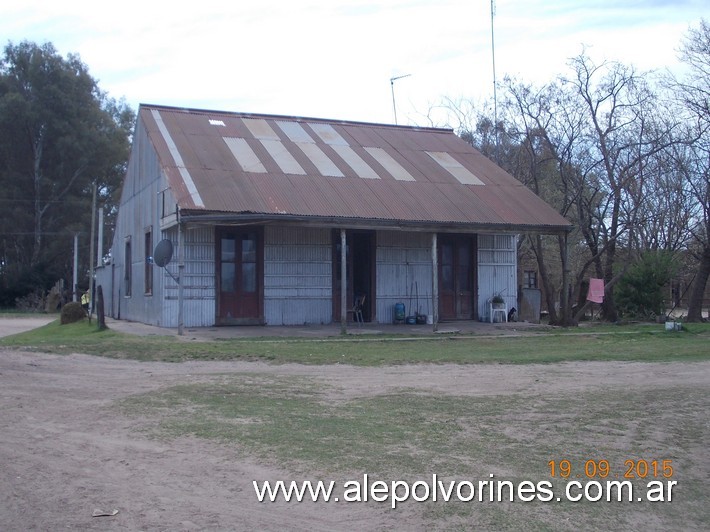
(495,99)
(394,105)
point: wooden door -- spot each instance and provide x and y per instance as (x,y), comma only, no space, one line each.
(456,277)
(239,276)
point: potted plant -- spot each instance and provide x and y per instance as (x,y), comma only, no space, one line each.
(498,301)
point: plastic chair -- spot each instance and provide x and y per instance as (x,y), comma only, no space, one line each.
(357,310)
(501,308)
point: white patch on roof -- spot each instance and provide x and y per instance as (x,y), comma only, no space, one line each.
(215,122)
(294,131)
(244,155)
(328,134)
(360,167)
(260,128)
(390,164)
(179,163)
(455,168)
(286,161)
(321,161)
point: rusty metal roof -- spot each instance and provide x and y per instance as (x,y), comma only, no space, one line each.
(235,164)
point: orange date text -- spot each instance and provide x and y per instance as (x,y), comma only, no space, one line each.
(631,469)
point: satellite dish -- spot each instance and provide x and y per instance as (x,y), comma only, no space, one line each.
(163,253)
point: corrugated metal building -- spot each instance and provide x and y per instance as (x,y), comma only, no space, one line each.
(257,208)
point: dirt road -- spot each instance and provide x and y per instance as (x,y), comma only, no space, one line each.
(65,450)
(17,325)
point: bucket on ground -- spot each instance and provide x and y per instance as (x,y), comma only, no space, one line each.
(399,313)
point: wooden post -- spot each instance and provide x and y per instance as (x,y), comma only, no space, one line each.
(100,316)
(343,282)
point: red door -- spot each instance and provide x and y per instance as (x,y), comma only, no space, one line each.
(239,276)
(456,277)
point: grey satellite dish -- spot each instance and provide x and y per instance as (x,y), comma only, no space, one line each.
(163,253)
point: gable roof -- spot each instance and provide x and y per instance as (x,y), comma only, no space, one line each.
(237,165)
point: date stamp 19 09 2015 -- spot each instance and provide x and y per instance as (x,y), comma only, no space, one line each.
(632,469)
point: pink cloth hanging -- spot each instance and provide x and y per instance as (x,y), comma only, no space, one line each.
(596,290)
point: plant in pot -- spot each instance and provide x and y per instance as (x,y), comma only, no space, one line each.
(498,301)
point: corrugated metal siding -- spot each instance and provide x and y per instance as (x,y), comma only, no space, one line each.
(138,211)
(199,306)
(297,276)
(497,267)
(140,208)
(403,266)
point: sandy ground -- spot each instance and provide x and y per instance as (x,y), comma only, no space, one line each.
(12,325)
(65,451)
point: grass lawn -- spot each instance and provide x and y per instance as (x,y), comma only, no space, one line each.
(643,343)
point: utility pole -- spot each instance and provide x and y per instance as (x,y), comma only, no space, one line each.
(100,240)
(495,84)
(75,276)
(91,248)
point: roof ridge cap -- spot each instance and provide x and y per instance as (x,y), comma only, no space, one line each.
(294,118)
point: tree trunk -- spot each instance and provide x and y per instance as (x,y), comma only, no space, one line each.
(37,186)
(609,306)
(695,303)
(609,309)
(565,305)
(545,279)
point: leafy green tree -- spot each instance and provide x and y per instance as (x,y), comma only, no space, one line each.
(59,134)
(640,291)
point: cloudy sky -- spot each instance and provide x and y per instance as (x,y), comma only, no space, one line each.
(335,58)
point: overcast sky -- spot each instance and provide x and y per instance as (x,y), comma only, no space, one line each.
(335,58)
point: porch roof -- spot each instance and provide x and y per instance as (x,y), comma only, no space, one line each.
(224,166)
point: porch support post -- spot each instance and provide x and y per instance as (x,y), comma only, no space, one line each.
(343,282)
(181,275)
(434,282)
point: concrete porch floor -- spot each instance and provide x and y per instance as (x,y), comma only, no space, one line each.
(331,330)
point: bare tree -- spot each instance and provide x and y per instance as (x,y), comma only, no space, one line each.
(622,133)
(601,147)
(542,164)
(693,161)
(592,144)
(665,205)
